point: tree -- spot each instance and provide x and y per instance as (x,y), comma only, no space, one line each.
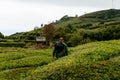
(36,27)
(1,35)
(49,31)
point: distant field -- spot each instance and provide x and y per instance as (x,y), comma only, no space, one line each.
(91,61)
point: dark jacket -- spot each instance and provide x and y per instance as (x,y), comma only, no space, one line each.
(60,49)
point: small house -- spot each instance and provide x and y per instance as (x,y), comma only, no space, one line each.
(41,42)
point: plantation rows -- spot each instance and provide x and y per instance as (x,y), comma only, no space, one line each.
(22,61)
(92,61)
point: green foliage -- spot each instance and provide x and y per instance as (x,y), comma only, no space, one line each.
(112,23)
(23,36)
(87,21)
(66,17)
(96,26)
(94,61)
(17,64)
(80,36)
(12,44)
(104,14)
(1,35)
(3,40)
(75,40)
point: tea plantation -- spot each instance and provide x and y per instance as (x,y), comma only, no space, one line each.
(91,61)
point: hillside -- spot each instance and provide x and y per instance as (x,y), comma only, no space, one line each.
(91,61)
(104,15)
(90,27)
(94,18)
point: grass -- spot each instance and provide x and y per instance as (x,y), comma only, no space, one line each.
(91,61)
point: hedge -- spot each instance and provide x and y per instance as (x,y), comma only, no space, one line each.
(3,40)
(12,44)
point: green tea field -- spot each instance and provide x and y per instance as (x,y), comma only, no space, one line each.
(91,61)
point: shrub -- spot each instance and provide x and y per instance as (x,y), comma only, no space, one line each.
(3,40)
(12,44)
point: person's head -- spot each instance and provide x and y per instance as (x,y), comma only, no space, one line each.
(61,39)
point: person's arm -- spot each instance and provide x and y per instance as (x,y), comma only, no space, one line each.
(66,50)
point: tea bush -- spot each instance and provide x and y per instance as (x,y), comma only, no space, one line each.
(93,61)
(12,44)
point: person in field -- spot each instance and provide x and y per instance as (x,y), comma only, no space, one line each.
(60,48)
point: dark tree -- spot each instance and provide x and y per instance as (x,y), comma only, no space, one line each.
(1,35)
(49,31)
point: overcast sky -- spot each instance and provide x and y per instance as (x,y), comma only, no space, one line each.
(24,15)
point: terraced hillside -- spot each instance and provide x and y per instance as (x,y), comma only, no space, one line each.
(90,19)
(91,61)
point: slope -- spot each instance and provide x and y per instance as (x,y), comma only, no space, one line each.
(92,61)
(16,63)
(95,61)
(98,17)
(100,21)
(86,19)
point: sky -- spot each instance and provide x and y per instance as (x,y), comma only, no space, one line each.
(25,15)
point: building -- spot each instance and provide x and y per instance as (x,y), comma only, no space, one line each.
(41,42)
